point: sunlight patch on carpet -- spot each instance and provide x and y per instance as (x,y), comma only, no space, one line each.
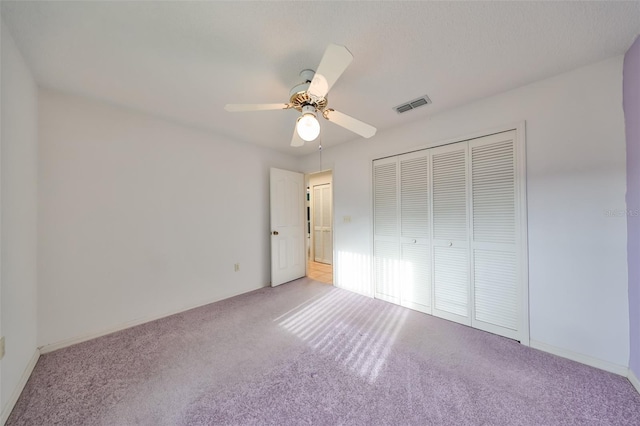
(348,328)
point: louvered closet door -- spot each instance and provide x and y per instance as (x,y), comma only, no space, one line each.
(450,233)
(386,249)
(494,273)
(415,259)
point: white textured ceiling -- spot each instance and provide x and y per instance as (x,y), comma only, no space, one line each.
(185,60)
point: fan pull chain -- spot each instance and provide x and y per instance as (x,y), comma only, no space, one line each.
(320,150)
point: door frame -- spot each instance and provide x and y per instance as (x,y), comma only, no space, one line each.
(313,243)
(309,251)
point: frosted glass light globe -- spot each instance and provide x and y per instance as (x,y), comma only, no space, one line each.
(308,127)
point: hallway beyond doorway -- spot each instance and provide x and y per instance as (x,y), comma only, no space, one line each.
(321,272)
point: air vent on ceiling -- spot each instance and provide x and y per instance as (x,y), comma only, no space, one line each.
(408,106)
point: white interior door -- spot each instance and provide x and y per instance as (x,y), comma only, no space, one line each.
(322,235)
(287,226)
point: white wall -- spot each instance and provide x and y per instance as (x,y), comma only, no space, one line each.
(140,217)
(576,171)
(18,226)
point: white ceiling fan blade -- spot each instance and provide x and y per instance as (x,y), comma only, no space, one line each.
(296,140)
(336,59)
(254,107)
(356,126)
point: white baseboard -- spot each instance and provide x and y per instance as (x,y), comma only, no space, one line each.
(50,347)
(581,358)
(634,380)
(6,410)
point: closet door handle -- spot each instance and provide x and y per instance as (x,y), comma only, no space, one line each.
(450,243)
(415,241)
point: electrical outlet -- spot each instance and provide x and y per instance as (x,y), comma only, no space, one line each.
(236,267)
(1,347)
(346,219)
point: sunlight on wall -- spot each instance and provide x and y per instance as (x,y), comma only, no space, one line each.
(390,278)
(348,328)
(353,272)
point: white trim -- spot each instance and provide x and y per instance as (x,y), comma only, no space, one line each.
(517,126)
(416,307)
(523,226)
(50,347)
(634,380)
(581,358)
(6,410)
(390,299)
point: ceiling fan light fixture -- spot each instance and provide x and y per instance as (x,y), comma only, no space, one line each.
(310,97)
(307,126)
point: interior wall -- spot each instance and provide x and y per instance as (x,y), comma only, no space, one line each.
(575,176)
(140,217)
(631,85)
(18,182)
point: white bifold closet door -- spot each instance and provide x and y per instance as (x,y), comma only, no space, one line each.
(401,230)
(415,269)
(450,229)
(448,233)
(496,287)
(386,250)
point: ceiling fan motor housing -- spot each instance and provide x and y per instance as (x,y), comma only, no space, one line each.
(299,97)
(307,75)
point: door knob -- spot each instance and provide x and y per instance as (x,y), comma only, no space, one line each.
(275,232)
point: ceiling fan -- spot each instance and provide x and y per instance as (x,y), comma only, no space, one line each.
(310,98)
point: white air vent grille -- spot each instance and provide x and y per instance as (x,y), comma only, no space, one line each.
(408,106)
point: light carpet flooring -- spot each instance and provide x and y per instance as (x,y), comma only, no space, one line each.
(308,353)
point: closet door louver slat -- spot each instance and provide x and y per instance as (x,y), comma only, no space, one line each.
(451,280)
(387,270)
(386,199)
(493,192)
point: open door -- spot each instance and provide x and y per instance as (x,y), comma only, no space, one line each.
(287,226)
